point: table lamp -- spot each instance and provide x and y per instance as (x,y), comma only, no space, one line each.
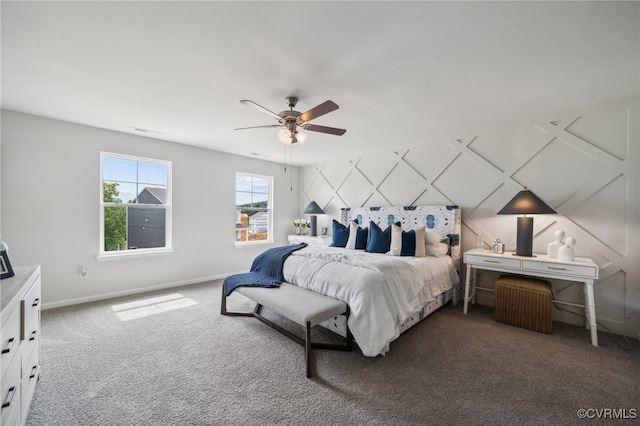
(525,202)
(313,209)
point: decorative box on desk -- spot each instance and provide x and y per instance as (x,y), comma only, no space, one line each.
(312,241)
(581,270)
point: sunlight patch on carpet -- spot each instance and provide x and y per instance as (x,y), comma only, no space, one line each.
(152,306)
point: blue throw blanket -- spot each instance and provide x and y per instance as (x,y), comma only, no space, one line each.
(266,270)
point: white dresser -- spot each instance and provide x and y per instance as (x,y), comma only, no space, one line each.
(19,343)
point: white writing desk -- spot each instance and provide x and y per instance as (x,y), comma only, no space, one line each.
(580,270)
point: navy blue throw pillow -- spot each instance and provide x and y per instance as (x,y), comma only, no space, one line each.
(408,243)
(379,240)
(339,234)
(362,236)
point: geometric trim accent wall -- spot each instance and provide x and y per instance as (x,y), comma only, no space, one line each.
(584,165)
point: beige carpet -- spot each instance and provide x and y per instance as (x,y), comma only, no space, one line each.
(170,358)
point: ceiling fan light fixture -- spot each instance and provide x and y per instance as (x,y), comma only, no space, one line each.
(290,121)
(289,137)
(301,137)
(284,136)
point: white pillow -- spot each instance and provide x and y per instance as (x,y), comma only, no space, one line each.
(420,241)
(353,233)
(433,237)
(396,241)
(437,250)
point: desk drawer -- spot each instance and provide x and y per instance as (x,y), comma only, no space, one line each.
(572,270)
(492,260)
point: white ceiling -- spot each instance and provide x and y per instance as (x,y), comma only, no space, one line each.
(401,72)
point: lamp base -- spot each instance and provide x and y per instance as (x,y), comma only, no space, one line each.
(314,225)
(524,237)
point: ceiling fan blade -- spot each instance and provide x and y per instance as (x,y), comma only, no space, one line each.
(322,109)
(261,108)
(324,129)
(259,127)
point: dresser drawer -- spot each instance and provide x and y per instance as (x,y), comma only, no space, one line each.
(10,341)
(501,261)
(29,380)
(568,269)
(31,311)
(29,347)
(10,394)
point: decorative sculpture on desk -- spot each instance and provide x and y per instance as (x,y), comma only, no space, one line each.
(552,248)
(566,252)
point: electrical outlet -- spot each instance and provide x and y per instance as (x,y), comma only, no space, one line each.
(84,273)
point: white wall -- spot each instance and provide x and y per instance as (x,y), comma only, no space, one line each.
(585,164)
(50,209)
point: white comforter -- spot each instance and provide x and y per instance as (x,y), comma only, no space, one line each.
(381,290)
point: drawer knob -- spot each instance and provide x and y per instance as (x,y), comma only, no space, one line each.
(558,268)
(10,343)
(10,394)
(491,261)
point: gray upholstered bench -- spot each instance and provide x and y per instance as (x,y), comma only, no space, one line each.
(301,306)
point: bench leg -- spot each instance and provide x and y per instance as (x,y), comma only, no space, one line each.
(223,308)
(307,348)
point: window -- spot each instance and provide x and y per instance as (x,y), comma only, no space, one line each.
(253,208)
(135,210)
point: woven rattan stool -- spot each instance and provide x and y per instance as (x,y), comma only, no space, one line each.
(524,302)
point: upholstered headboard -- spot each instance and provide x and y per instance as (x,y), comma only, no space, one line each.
(445,220)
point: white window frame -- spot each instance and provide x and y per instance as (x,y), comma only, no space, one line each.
(270,205)
(142,252)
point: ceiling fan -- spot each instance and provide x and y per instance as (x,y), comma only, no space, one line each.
(290,120)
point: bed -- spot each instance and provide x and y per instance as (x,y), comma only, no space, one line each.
(387,293)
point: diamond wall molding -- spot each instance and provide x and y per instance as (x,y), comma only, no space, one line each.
(596,194)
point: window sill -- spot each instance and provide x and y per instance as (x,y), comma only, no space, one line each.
(132,254)
(240,244)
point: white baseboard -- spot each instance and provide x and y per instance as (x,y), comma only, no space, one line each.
(104,296)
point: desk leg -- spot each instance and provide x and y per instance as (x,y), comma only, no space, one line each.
(467,281)
(473,287)
(590,311)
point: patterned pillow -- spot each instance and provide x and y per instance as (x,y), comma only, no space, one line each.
(403,243)
(357,237)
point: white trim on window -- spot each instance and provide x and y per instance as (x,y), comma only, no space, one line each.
(269,210)
(166,206)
